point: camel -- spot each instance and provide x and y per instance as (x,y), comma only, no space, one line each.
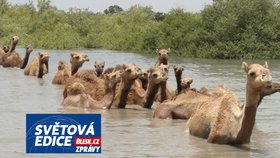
(222,120)
(76,95)
(65,71)
(28,50)
(162,56)
(144,78)
(99,67)
(183,105)
(131,73)
(3,51)
(178,71)
(156,78)
(164,92)
(39,65)
(12,58)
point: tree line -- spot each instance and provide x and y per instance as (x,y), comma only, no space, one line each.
(227,29)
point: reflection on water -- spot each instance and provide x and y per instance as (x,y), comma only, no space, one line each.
(133,132)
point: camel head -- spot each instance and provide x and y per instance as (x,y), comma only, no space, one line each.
(29,48)
(157,75)
(77,59)
(44,57)
(163,54)
(61,65)
(258,76)
(99,67)
(6,48)
(178,69)
(131,71)
(186,83)
(75,89)
(164,68)
(144,74)
(113,78)
(15,39)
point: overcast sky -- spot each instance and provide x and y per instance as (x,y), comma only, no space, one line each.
(101,5)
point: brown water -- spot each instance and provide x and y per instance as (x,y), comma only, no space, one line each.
(130,132)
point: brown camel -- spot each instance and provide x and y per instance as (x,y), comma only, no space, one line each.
(38,66)
(144,78)
(178,71)
(162,56)
(64,71)
(99,67)
(183,105)
(131,73)
(28,50)
(3,51)
(156,78)
(12,58)
(77,96)
(221,120)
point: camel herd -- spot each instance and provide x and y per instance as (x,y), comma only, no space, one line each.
(216,116)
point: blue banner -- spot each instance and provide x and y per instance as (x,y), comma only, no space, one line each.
(63,133)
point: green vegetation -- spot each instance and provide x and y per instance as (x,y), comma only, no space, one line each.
(227,29)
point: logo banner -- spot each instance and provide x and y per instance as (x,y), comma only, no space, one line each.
(63,133)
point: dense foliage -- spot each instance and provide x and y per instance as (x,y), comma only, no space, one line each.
(227,29)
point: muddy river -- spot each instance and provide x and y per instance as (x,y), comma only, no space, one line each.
(133,132)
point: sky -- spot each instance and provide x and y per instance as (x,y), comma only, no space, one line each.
(100,5)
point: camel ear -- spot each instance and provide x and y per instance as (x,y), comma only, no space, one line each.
(265,65)
(245,66)
(157,50)
(190,81)
(168,49)
(72,55)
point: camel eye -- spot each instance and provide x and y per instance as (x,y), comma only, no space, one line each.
(77,57)
(102,66)
(252,74)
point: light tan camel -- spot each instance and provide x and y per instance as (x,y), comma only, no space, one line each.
(39,65)
(64,71)
(164,92)
(77,96)
(162,56)
(222,120)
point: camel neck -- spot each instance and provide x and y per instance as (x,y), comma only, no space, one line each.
(144,83)
(178,80)
(25,60)
(248,121)
(12,47)
(41,69)
(150,94)
(124,92)
(164,62)
(163,95)
(74,69)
